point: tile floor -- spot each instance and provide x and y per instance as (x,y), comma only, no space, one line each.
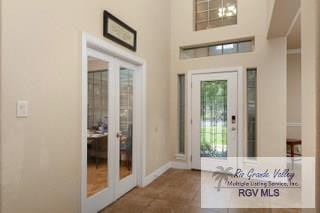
(176,191)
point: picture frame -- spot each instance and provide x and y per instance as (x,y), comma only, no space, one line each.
(119,32)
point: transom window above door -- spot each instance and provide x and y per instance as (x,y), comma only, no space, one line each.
(215,13)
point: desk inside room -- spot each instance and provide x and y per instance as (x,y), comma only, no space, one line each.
(97,146)
(292,144)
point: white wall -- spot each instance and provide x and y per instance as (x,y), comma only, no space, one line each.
(269,57)
(41,54)
(294,96)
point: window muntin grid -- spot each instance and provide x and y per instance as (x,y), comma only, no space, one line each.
(215,13)
(241,46)
(97,101)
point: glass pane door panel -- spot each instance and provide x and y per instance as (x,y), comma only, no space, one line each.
(97,126)
(126,122)
(213,135)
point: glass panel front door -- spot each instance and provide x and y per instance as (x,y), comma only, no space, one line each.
(214,110)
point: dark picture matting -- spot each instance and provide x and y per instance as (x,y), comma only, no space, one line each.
(106,18)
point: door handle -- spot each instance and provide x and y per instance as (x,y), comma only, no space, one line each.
(234,123)
(119,135)
(233,119)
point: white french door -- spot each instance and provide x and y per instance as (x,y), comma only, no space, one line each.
(126,169)
(109,130)
(214,117)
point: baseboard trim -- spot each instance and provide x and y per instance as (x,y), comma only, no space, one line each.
(293,51)
(179,165)
(180,157)
(154,175)
(157,173)
(171,164)
(294,124)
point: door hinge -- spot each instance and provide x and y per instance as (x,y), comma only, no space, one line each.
(190,157)
(191,121)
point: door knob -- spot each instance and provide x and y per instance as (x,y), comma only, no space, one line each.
(119,134)
(233,119)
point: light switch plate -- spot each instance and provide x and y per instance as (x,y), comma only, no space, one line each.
(22,109)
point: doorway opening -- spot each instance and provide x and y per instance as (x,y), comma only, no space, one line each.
(113,124)
(294,91)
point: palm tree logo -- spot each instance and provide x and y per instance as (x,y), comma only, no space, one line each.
(221,175)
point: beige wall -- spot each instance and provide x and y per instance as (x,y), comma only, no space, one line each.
(269,57)
(309,60)
(270,7)
(310,11)
(41,54)
(294,96)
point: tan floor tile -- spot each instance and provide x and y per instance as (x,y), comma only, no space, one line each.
(168,203)
(176,191)
(286,211)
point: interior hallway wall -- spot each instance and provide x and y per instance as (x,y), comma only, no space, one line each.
(294,96)
(269,57)
(310,66)
(41,55)
(309,60)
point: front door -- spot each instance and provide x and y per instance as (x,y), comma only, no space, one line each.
(214,118)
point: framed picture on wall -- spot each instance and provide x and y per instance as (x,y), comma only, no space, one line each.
(119,32)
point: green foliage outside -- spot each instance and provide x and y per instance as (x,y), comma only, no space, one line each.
(208,140)
(213,112)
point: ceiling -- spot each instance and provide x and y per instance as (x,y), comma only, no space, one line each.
(282,16)
(294,37)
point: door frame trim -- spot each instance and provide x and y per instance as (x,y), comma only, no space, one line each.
(105,47)
(188,103)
